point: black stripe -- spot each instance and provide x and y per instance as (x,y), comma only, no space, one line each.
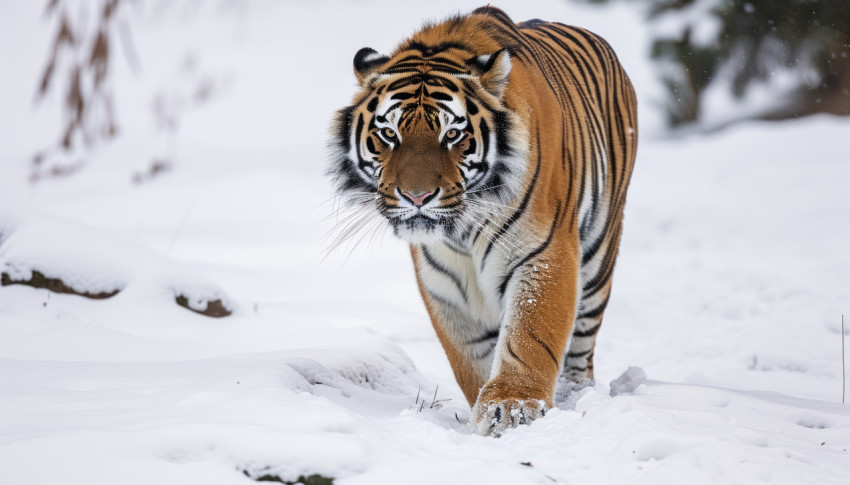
(548,350)
(590,332)
(405,81)
(594,247)
(538,61)
(479,231)
(471,148)
(402,96)
(439,95)
(591,39)
(416,68)
(579,61)
(443,301)
(489,335)
(520,210)
(485,353)
(411,57)
(392,107)
(606,268)
(444,61)
(442,105)
(503,126)
(600,308)
(451,245)
(484,129)
(575,355)
(370,145)
(430,50)
(373,104)
(532,254)
(445,271)
(358,135)
(515,356)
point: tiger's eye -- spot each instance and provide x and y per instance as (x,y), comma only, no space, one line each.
(452,134)
(389,133)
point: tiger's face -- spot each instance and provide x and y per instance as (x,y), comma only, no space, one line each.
(430,140)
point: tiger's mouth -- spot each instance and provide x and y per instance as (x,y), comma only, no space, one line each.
(418,221)
(421,220)
(422,226)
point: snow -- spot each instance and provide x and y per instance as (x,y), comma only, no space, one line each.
(628,381)
(722,337)
(90,262)
(704,27)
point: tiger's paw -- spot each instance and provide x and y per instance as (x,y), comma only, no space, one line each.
(497,416)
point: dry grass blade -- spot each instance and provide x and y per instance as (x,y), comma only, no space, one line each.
(434,399)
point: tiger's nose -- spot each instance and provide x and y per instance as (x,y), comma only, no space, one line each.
(418,198)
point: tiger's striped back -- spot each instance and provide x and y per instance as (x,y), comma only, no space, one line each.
(607,137)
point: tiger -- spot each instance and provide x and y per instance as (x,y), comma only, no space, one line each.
(501,152)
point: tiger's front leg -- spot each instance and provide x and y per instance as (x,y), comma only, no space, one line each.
(541,301)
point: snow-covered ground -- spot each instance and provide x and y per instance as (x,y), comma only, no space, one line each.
(733,275)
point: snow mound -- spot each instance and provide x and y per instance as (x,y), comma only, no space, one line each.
(93,263)
(386,371)
(628,381)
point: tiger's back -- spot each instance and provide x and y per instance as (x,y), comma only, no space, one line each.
(605,137)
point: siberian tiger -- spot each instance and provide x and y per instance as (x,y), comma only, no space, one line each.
(501,152)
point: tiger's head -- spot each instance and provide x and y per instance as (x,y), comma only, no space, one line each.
(428,140)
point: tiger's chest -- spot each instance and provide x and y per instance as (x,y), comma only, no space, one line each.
(465,285)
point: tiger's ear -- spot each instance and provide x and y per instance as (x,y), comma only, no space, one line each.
(493,71)
(367,61)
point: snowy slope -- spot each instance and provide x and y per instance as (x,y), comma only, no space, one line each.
(732,278)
